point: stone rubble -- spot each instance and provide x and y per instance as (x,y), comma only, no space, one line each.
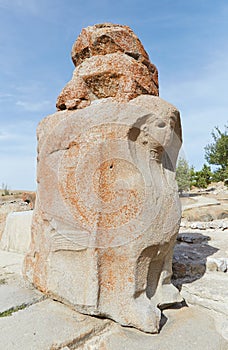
(214,225)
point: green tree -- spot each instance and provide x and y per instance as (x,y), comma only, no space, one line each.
(192,174)
(220,174)
(183,175)
(202,178)
(216,153)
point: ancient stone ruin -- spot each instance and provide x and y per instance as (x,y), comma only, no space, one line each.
(110,62)
(107,210)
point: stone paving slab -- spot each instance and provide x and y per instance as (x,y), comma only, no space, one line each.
(189,328)
(210,291)
(201,202)
(47,325)
(11,262)
(13,296)
(50,325)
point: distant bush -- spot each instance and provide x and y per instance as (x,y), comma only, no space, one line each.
(183,175)
(202,178)
(216,153)
(5,189)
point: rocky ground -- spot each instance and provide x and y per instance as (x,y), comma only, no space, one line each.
(29,320)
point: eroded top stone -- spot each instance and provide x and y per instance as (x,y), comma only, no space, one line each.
(110,63)
(102,39)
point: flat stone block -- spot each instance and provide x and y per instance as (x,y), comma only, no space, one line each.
(11,262)
(189,328)
(16,236)
(46,325)
(12,296)
(210,291)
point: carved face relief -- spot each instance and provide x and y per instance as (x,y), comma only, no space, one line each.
(157,132)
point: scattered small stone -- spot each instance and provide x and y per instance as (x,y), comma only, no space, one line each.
(192,237)
(217,264)
(213,225)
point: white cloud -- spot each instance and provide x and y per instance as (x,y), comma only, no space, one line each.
(34,106)
(5,96)
(33,97)
(31,6)
(4,135)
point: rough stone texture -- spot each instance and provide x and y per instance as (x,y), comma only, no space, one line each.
(210,292)
(27,321)
(16,236)
(197,253)
(30,198)
(200,266)
(192,202)
(204,207)
(206,213)
(13,296)
(217,264)
(190,256)
(14,291)
(213,225)
(108,212)
(186,329)
(8,207)
(53,326)
(47,325)
(11,263)
(106,38)
(111,63)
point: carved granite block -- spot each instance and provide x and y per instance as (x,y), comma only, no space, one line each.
(107,211)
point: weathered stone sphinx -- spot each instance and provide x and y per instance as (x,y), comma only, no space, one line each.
(107,210)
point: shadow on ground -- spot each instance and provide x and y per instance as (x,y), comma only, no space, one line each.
(190,257)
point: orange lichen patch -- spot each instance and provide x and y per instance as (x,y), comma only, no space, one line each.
(101,194)
(107,69)
(103,85)
(75,145)
(110,281)
(121,67)
(76,93)
(111,257)
(115,204)
(37,258)
(112,270)
(107,38)
(39,276)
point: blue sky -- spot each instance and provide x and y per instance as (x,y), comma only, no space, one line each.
(186,40)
